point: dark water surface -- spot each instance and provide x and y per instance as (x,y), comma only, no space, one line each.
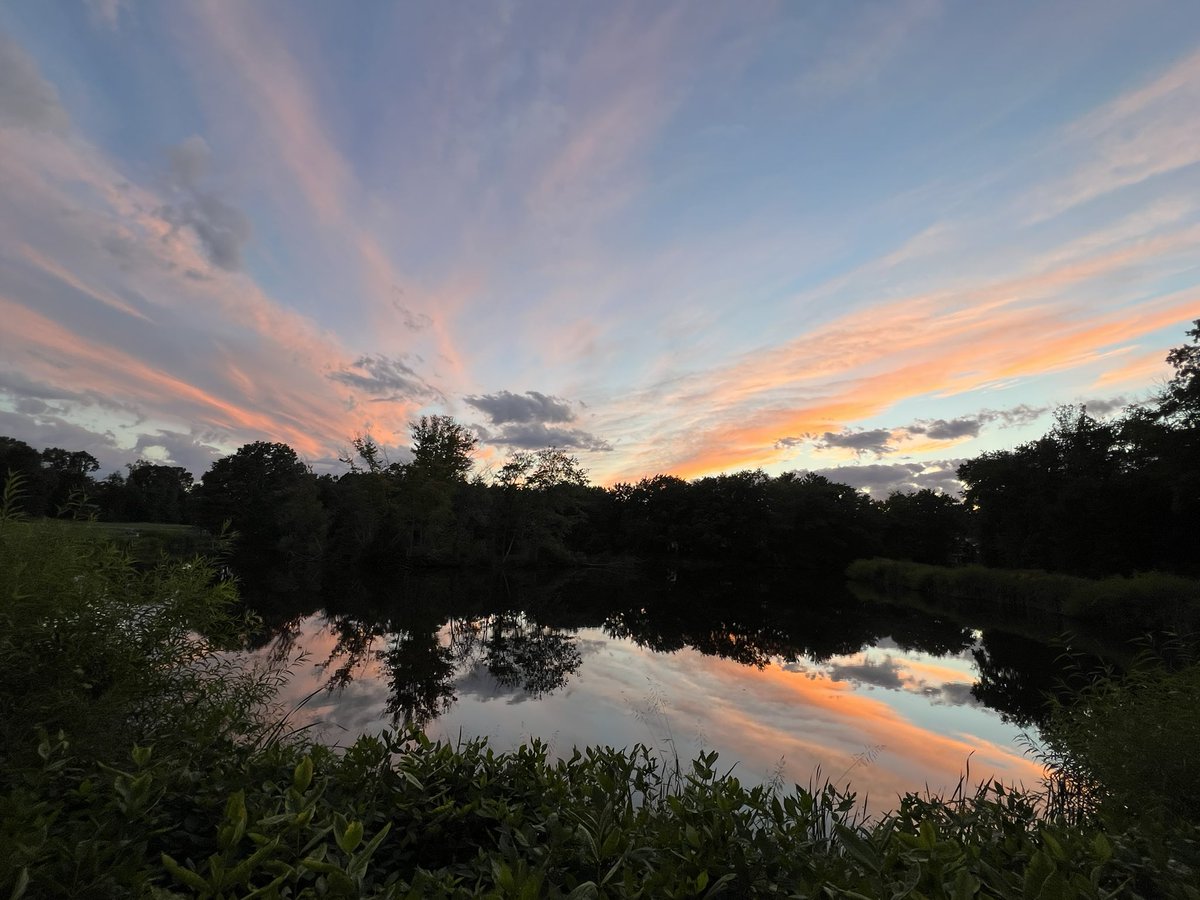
(778,675)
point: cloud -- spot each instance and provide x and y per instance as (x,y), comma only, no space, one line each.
(1102,406)
(388,378)
(880,479)
(26,98)
(1142,369)
(531,421)
(970,426)
(875,440)
(1145,132)
(106,12)
(38,397)
(532,406)
(195,452)
(223,229)
(880,441)
(535,435)
(949,429)
(113,334)
(43,431)
(954,693)
(884,674)
(412,320)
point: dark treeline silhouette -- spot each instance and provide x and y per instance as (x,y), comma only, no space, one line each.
(1090,497)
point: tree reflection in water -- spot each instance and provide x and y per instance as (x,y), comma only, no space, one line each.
(422,660)
(524,637)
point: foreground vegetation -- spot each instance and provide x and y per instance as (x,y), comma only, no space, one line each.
(136,760)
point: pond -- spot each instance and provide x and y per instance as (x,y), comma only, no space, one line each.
(788,680)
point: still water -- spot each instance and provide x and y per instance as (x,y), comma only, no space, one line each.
(783,679)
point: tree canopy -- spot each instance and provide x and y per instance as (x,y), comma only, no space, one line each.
(442,448)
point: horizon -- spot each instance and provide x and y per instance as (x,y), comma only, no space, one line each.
(869,242)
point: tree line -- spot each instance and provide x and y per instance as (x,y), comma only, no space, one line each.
(1090,497)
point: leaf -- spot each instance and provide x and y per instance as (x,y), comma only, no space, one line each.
(1102,847)
(319,866)
(858,847)
(966,885)
(187,876)
(928,835)
(359,865)
(267,889)
(21,885)
(719,884)
(349,837)
(1041,867)
(302,774)
(912,877)
(1053,844)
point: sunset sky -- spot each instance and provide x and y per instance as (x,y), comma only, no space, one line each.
(868,238)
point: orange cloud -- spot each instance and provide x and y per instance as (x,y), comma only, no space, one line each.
(1142,369)
(121,376)
(862,363)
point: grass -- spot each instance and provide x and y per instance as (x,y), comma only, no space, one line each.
(134,764)
(148,541)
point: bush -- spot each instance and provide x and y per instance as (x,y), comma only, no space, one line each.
(113,655)
(1129,744)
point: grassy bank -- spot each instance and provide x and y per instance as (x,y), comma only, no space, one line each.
(1149,601)
(136,762)
(148,541)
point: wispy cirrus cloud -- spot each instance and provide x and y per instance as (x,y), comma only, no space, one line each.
(1143,133)
(387,379)
(26,98)
(208,355)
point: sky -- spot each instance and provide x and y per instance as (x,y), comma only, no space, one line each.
(865,239)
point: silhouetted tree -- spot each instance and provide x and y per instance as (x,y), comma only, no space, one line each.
(157,493)
(18,458)
(820,524)
(271,499)
(541,500)
(925,527)
(441,449)
(66,473)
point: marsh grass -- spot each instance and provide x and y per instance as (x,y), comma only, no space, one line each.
(1145,601)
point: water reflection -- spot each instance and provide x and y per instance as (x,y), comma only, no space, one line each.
(784,677)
